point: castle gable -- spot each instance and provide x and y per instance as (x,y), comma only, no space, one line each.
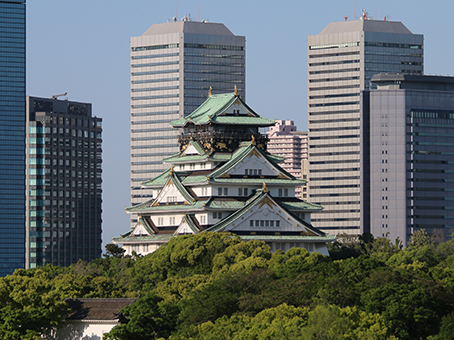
(261,215)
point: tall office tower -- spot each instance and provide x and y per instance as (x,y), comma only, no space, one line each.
(12,136)
(286,141)
(411,154)
(63,211)
(173,66)
(342,59)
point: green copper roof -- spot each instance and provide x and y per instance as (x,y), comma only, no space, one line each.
(258,181)
(161,238)
(212,111)
(148,207)
(289,238)
(293,205)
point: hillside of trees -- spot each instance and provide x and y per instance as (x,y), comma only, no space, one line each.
(214,286)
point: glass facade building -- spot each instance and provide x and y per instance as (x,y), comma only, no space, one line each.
(12,136)
(173,66)
(64,169)
(341,62)
(411,155)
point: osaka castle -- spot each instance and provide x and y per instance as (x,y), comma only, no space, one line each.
(224,180)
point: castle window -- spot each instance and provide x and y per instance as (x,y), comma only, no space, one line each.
(280,192)
(245,192)
(202,219)
(240,191)
(160,220)
(251,223)
(285,192)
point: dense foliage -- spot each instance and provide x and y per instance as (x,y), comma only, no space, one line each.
(214,286)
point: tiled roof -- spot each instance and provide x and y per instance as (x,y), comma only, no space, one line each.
(211,110)
(291,205)
(258,181)
(96,309)
(289,238)
(161,238)
(148,206)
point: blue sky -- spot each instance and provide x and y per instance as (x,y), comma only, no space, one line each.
(82,47)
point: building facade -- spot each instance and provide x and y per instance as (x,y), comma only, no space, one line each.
(411,155)
(12,136)
(291,144)
(223,179)
(341,61)
(64,168)
(173,65)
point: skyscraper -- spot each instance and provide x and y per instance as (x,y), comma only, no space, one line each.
(12,136)
(411,155)
(64,168)
(173,66)
(341,61)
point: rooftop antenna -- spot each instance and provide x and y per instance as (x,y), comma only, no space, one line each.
(198,12)
(55,96)
(345,17)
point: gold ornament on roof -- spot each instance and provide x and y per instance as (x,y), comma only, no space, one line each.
(253,140)
(209,91)
(264,187)
(171,170)
(235,91)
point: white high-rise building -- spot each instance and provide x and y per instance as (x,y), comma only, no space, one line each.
(173,66)
(341,61)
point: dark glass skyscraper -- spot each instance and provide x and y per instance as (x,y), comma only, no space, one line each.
(12,135)
(64,169)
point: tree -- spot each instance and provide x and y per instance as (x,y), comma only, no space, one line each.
(147,318)
(113,250)
(29,306)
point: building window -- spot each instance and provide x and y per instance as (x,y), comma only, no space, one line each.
(219,191)
(160,220)
(203,219)
(240,191)
(226,191)
(286,192)
(172,220)
(279,192)
(245,191)
(217,215)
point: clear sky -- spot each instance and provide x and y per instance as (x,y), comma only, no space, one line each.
(82,47)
